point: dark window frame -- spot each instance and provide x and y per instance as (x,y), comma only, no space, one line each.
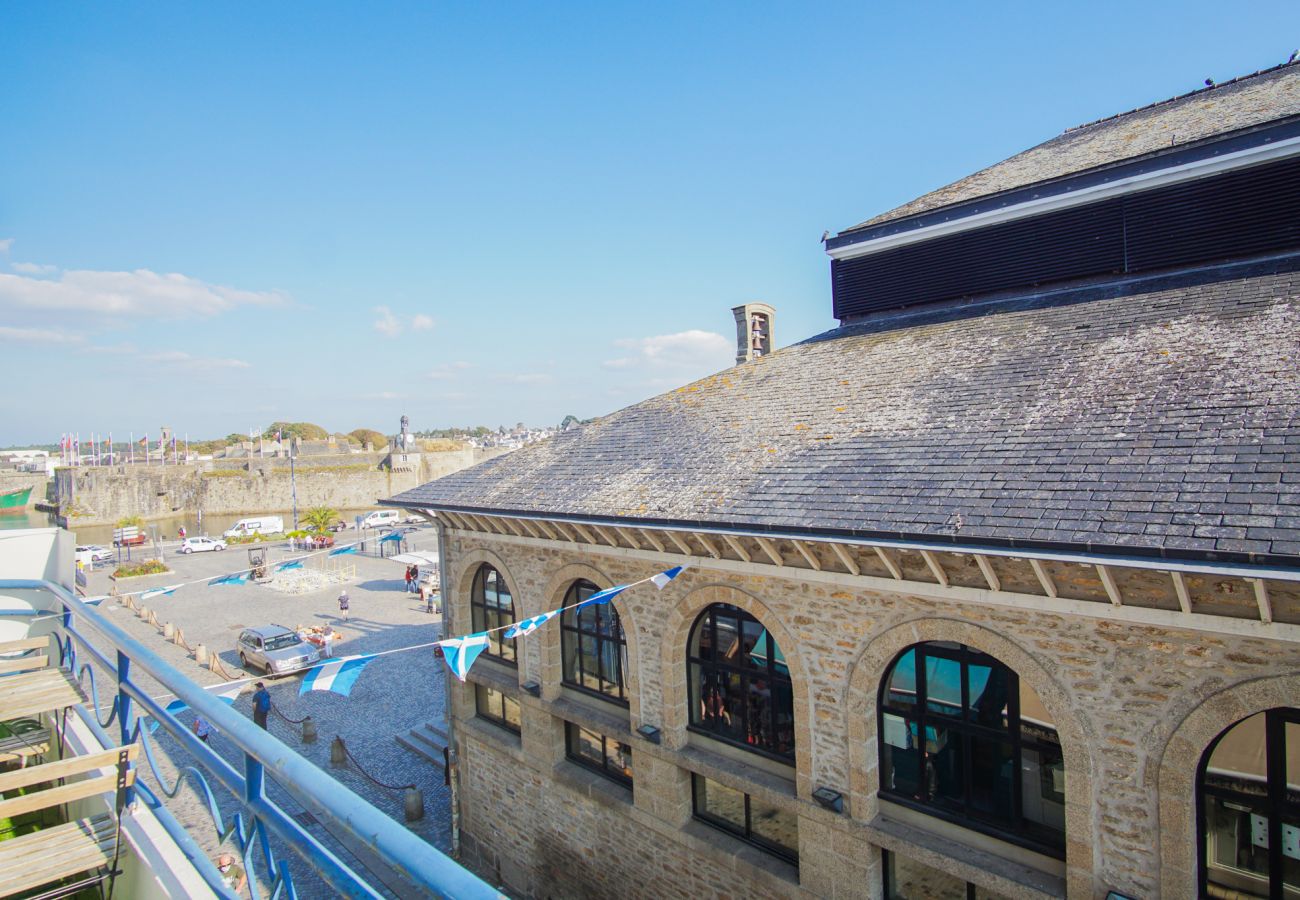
(499,719)
(500,648)
(712,667)
(1275,798)
(615,775)
(742,833)
(972,891)
(1015,829)
(572,628)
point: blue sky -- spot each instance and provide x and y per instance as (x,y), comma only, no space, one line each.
(213,216)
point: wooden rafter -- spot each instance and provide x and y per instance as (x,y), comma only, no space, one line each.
(738,547)
(609,538)
(1108,581)
(770,549)
(995,584)
(651,539)
(888,562)
(1180,588)
(1262,600)
(530,528)
(937,570)
(681,545)
(848,561)
(1044,578)
(629,536)
(808,555)
(564,532)
(513,527)
(704,542)
(584,533)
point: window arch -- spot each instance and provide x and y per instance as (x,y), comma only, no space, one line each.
(491,606)
(961,737)
(1248,799)
(593,646)
(740,689)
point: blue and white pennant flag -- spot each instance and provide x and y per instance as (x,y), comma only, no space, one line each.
(528,626)
(227,697)
(661,580)
(237,578)
(160,591)
(461,652)
(338,676)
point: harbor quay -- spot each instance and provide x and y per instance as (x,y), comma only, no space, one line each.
(396,693)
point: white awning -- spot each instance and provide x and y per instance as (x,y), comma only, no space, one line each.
(416,558)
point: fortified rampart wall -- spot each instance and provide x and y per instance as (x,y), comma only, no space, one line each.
(103,495)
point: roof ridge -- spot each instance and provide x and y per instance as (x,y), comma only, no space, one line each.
(1293,61)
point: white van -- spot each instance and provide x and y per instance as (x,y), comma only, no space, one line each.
(257,525)
(381,518)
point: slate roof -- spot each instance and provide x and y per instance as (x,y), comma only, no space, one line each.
(1233,106)
(1158,414)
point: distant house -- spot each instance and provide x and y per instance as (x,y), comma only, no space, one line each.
(994,589)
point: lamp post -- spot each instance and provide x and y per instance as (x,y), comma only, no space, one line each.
(293,485)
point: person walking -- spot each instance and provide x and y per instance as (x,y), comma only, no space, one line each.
(343,605)
(232,873)
(202,729)
(181,533)
(261,705)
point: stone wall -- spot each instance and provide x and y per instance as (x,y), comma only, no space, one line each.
(102,495)
(1118,692)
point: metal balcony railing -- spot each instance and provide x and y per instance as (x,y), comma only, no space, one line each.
(349,818)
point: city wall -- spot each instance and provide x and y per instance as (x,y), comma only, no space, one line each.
(102,495)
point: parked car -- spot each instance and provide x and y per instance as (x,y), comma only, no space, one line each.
(415,520)
(380,518)
(139,538)
(275,650)
(97,553)
(201,545)
(338,526)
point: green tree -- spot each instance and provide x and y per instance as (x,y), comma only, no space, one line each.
(376,438)
(318,518)
(305,430)
(128,521)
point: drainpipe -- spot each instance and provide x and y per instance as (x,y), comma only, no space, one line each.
(453,770)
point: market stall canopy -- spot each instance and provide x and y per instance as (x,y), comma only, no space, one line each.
(416,559)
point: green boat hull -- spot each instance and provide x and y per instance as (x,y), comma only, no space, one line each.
(14,501)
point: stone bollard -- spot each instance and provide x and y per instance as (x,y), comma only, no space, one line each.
(338,756)
(169,631)
(201,654)
(308,731)
(142,612)
(414,804)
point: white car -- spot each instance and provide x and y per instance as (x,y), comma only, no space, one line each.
(97,553)
(200,544)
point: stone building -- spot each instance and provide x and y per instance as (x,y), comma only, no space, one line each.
(992,589)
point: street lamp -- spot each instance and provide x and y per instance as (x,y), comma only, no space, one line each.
(293,486)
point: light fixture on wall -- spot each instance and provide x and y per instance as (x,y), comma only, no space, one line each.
(649,732)
(533,688)
(829,799)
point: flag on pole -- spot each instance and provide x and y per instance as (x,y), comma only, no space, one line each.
(337,676)
(160,591)
(528,626)
(661,580)
(460,653)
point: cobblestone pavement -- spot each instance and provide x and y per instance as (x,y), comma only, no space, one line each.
(395,693)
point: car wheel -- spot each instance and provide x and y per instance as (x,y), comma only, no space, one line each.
(243,660)
(187,549)
(220,547)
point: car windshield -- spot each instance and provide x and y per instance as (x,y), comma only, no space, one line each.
(282,641)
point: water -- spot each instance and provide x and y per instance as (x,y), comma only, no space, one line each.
(213,524)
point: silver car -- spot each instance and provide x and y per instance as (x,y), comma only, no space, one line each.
(274,649)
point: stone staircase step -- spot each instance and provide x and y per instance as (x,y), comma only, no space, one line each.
(427,740)
(421,749)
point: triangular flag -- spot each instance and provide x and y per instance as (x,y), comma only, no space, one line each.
(528,626)
(352,548)
(237,578)
(337,676)
(604,596)
(461,652)
(661,580)
(227,697)
(291,564)
(160,591)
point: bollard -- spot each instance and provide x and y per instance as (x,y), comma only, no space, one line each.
(201,654)
(169,631)
(142,612)
(308,731)
(414,804)
(338,756)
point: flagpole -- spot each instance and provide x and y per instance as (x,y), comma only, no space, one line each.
(131,447)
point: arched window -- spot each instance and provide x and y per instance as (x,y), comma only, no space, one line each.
(962,738)
(491,606)
(1249,798)
(594,649)
(740,689)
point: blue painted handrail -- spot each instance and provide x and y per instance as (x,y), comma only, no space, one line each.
(348,817)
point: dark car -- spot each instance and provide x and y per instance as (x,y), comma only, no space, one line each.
(338,526)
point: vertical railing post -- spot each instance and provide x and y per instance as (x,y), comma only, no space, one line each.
(125,714)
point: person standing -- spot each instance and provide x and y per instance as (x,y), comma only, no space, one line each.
(181,533)
(232,873)
(261,705)
(343,605)
(415,578)
(202,728)
(408,579)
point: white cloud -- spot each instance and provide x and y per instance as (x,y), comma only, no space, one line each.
(38,336)
(137,293)
(685,351)
(524,378)
(421,322)
(387,324)
(5,244)
(449,369)
(182,360)
(33,268)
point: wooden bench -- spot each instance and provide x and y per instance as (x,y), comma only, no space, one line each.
(84,845)
(30,685)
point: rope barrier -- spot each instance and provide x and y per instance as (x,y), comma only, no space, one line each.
(276,710)
(369,777)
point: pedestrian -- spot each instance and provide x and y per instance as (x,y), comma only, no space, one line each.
(181,533)
(232,873)
(343,605)
(415,577)
(261,705)
(202,728)
(408,579)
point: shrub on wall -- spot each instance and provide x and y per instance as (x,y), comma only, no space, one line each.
(147,567)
